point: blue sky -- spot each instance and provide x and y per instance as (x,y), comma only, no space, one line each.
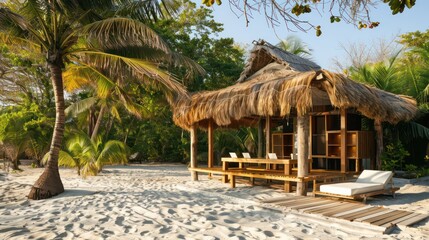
(328,46)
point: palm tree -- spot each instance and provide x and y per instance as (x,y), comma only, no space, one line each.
(69,31)
(107,95)
(89,156)
(295,45)
(382,75)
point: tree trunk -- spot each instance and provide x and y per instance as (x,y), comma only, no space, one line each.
(14,164)
(303,148)
(98,123)
(49,183)
(379,132)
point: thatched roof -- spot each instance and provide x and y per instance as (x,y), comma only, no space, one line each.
(264,53)
(275,90)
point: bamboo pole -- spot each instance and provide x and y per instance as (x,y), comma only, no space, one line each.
(194,140)
(303,123)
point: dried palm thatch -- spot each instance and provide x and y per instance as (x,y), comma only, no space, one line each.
(275,91)
(264,53)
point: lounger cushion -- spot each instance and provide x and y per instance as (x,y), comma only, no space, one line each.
(350,188)
(374,176)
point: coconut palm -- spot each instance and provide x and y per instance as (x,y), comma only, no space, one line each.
(70,31)
(89,156)
(382,75)
(294,45)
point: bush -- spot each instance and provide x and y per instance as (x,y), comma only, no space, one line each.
(393,156)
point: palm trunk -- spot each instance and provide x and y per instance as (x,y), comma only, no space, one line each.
(98,123)
(49,183)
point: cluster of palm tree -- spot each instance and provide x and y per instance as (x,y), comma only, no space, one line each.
(106,43)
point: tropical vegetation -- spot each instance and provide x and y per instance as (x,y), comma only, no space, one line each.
(121,64)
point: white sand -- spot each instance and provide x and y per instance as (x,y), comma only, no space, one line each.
(160,202)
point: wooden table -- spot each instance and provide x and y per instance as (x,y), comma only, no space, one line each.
(288,163)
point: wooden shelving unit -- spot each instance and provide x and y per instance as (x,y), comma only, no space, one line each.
(282,144)
(327,143)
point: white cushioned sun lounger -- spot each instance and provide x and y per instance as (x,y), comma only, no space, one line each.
(369,183)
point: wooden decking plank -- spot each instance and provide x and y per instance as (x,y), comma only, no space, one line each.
(366,212)
(335,211)
(296,203)
(383,216)
(413,220)
(273,200)
(391,218)
(363,218)
(359,213)
(398,220)
(312,204)
(338,215)
(315,208)
(324,207)
(286,201)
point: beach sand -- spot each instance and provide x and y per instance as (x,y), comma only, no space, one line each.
(153,201)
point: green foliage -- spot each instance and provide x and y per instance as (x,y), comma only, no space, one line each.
(192,33)
(398,6)
(25,130)
(393,156)
(90,156)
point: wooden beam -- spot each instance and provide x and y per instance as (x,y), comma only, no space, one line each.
(303,125)
(260,138)
(379,138)
(267,135)
(343,136)
(210,150)
(194,162)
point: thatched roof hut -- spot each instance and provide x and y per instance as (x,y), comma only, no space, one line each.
(264,54)
(275,90)
(278,84)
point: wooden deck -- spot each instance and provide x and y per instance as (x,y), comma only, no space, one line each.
(252,173)
(350,211)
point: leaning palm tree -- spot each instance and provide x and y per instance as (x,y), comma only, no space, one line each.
(69,31)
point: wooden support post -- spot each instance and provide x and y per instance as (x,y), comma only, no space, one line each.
(379,138)
(288,172)
(194,162)
(343,133)
(232,180)
(210,150)
(267,136)
(260,138)
(303,123)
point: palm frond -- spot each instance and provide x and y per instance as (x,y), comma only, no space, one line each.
(146,72)
(66,160)
(412,130)
(122,32)
(16,25)
(76,77)
(113,152)
(80,106)
(148,10)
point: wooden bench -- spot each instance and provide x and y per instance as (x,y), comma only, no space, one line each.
(231,173)
(278,175)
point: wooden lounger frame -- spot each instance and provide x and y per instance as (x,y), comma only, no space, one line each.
(363,196)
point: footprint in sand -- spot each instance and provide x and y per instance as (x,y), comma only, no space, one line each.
(119,221)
